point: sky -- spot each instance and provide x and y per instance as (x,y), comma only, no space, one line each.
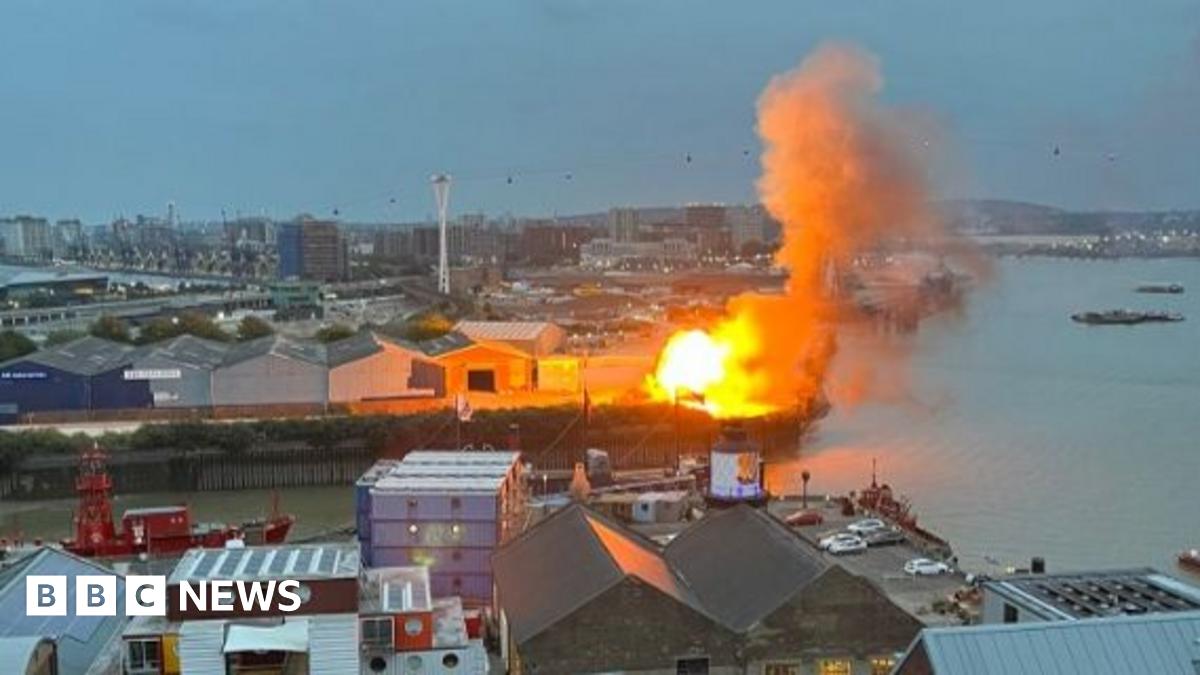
(542,107)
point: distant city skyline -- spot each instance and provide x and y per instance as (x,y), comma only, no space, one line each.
(565,106)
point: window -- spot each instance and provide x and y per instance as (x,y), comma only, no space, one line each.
(377,664)
(413,627)
(782,669)
(455,503)
(450,661)
(834,667)
(882,665)
(692,666)
(143,656)
(377,632)
(1010,613)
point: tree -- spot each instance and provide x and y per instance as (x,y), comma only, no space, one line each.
(110,327)
(157,330)
(63,336)
(253,327)
(13,344)
(427,327)
(334,332)
(202,326)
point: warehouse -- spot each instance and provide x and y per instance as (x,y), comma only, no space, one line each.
(369,366)
(535,338)
(272,370)
(480,366)
(83,374)
(178,371)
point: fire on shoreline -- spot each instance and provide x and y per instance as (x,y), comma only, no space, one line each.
(706,371)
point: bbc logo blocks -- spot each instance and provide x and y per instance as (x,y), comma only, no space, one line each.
(95,595)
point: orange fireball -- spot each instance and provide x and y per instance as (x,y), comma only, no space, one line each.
(709,371)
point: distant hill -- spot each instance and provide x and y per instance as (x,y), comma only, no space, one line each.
(998,216)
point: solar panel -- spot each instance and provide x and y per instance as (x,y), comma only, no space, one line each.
(208,560)
(303,560)
(254,564)
(279,563)
(232,558)
(328,560)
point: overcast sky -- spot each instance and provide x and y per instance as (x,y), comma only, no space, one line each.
(284,106)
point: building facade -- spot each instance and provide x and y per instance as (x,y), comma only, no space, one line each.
(370,366)
(26,238)
(312,250)
(272,370)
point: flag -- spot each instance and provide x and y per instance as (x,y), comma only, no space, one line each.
(462,407)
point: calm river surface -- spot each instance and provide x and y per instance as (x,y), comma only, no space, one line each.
(1029,434)
(1026,434)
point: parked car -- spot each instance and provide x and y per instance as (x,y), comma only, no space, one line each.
(925,567)
(825,542)
(849,545)
(888,537)
(804,518)
(866,526)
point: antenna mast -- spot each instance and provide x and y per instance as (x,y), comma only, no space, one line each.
(441,193)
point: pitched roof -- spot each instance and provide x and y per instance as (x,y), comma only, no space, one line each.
(450,342)
(743,564)
(567,560)
(85,356)
(1164,644)
(1081,595)
(503,330)
(361,345)
(311,352)
(188,350)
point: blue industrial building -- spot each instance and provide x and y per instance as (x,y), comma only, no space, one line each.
(84,374)
(289,244)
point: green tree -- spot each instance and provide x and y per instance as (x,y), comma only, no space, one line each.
(202,326)
(63,336)
(253,327)
(13,344)
(427,327)
(334,332)
(110,327)
(158,329)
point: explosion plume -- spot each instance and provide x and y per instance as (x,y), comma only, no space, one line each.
(842,175)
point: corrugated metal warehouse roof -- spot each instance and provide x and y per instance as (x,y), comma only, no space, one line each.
(85,356)
(1089,594)
(462,458)
(503,330)
(1163,644)
(296,561)
(311,352)
(362,345)
(450,342)
(190,350)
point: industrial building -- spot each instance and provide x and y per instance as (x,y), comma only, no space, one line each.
(84,374)
(272,370)
(481,366)
(737,592)
(446,509)
(65,287)
(1163,644)
(535,338)
(320,638)
(178,371)
(370,366)
(56,645)
(1085,595)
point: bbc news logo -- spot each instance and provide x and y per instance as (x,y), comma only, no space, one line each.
(96,595)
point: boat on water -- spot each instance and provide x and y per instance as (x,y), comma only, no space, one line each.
(1156,287)
(159,531)
(1190,560)
(1125,317)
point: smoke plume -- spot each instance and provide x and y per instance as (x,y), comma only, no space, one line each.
(844,176)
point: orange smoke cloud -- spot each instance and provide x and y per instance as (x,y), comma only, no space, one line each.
(841,174)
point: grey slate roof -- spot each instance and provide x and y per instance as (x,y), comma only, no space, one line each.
(743,564)
(85,356)
(1082,595)
(361,345)
(450,342)
(300,350)
(567,560)
(1163,644)
(189,350)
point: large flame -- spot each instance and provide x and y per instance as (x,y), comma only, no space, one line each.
(843,176)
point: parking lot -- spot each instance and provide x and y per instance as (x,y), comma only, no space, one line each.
(883,565)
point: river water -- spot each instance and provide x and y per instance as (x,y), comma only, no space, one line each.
(1025,434)
(1028,434)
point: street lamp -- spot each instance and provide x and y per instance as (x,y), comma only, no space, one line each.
(804,476)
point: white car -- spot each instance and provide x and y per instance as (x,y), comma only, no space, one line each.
(825,542)
(925,567)
(866,526)
(844,546)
